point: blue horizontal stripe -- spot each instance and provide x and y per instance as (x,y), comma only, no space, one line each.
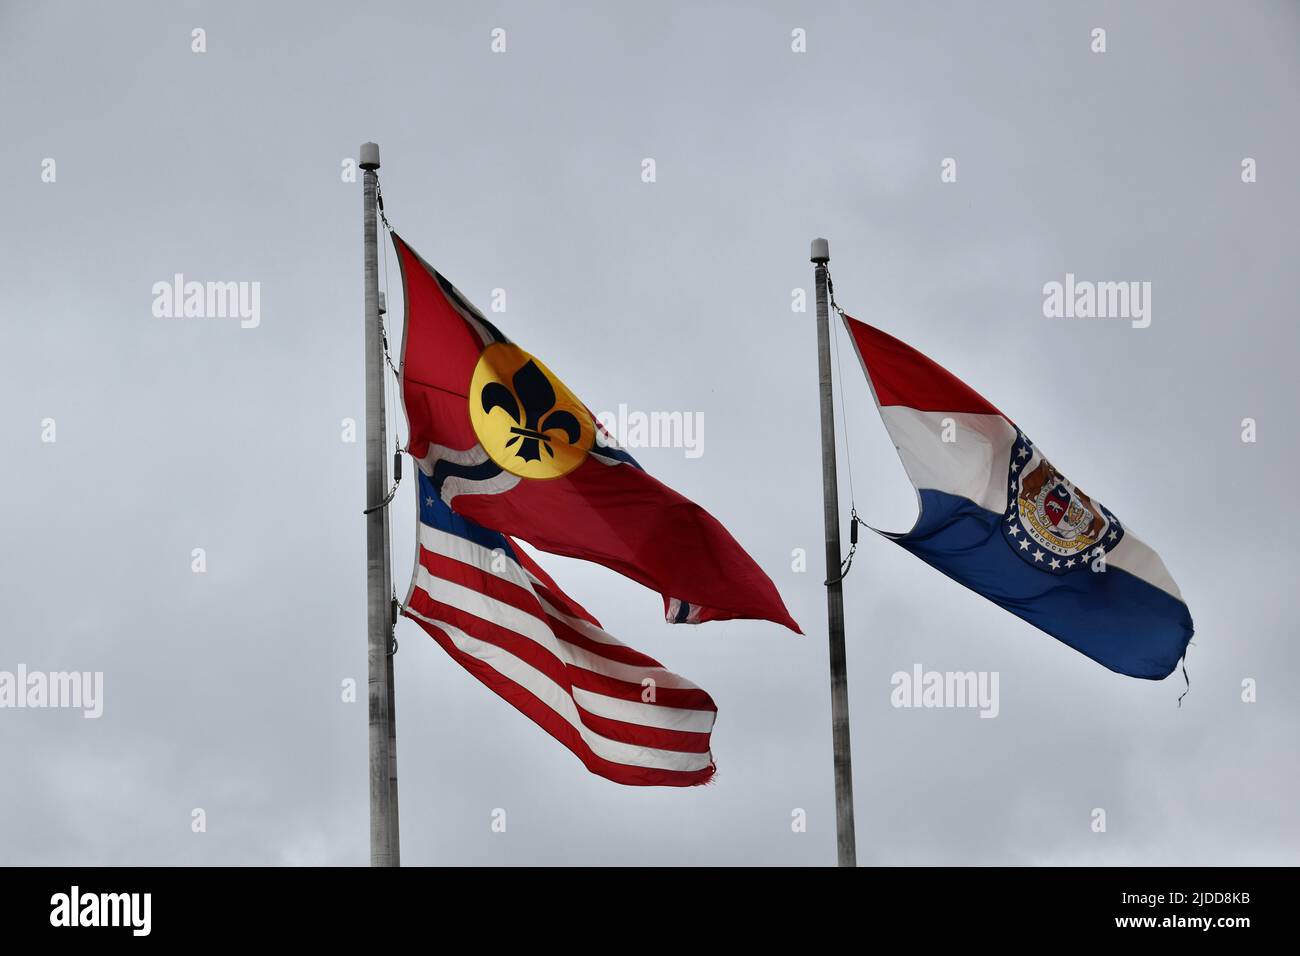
(1114,617)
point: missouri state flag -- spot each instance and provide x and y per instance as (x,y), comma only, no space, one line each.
(998,517)
(501,440)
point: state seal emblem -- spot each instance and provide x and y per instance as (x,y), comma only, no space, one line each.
(1050,522)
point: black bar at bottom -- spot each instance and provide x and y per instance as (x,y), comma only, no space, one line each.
(305,906)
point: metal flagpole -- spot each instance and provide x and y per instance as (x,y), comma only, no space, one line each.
(846,843)
(379,605)
(393,833)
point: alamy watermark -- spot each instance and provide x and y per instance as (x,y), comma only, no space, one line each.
(128,910)
(652,430)
(78,690)
(208,300)
(1084,299)
(922,688)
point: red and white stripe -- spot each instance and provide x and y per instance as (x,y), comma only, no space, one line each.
(625,716)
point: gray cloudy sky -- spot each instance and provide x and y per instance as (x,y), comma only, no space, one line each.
(521,170)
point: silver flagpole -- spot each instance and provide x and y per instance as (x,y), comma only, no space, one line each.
(846,843)
(379,605)
(393,832)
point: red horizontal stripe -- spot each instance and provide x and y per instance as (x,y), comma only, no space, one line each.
(903,376)
(541,659)
(485,582)
(613,652)
(524,648)
(688,698)
(510,593)
(683,741)
(535,710)
(548,589)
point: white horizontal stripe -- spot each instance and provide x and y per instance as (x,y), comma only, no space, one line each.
(975,465)
(1133,555)
(661,677)
(647,715)
(474,554)
(539,632)
(531,626)
(558,699)
(632,673)
(585,628)
(526,625)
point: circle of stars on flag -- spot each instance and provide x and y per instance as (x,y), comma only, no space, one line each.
(1020,540)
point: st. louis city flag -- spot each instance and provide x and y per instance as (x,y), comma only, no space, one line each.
(501,441)
(499,615)
(998,517)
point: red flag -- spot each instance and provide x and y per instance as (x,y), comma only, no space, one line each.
(501,440)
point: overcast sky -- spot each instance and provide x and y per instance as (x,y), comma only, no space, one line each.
(522,170)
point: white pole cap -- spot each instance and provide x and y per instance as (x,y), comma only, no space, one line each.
(369,155)
(821,251)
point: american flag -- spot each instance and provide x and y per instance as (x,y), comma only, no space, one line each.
(503,619)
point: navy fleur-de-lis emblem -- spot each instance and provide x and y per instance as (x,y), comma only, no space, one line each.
(530,403)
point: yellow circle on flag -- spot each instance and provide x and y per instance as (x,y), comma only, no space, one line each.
(527,421)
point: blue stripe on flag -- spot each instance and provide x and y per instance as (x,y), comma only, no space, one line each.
(1114,617)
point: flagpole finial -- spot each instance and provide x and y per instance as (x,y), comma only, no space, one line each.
(369,156)
(821,250)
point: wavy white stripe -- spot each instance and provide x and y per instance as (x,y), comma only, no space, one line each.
(459,485)
(457,456)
